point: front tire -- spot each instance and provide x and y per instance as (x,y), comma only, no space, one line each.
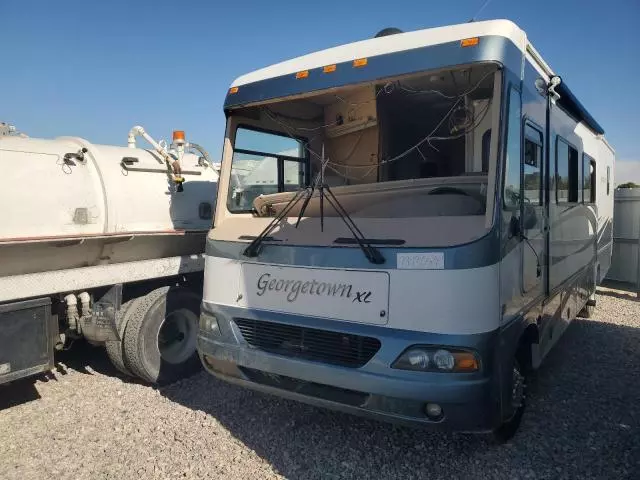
(587,311)
(161,334)
(510,426)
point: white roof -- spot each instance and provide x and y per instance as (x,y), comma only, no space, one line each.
(389,44)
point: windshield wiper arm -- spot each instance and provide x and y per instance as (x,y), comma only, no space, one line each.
(253,249)
(371,252)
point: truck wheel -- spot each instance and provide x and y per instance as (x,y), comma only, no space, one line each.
(161,334)
(509,427)
(114,349)
(587,311)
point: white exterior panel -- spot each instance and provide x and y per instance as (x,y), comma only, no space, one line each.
(49,196)
(62,210)
(389,44)
(464,301)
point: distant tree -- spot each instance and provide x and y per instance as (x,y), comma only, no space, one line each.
(629,185)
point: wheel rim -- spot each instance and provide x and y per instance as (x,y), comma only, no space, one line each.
(177,336)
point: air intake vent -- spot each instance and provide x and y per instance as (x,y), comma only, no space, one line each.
(388,31)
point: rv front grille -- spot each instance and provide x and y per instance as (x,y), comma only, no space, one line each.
(325,346)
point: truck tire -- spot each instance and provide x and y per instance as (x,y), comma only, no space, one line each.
(160,336)
(114,349)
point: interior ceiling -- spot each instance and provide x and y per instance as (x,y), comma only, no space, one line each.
(449,82)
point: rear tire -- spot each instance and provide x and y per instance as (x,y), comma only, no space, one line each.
(160,335)
(114,349)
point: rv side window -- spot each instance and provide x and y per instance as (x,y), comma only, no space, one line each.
(264,163)
(532,165)
(567,183)
(511,196)
(608,180)
(588,179)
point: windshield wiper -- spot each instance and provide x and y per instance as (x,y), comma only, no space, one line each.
(253,249)
(371,252)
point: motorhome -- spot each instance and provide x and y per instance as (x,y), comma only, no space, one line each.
(405,226)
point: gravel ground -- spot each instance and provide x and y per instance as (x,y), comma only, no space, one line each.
(583,421)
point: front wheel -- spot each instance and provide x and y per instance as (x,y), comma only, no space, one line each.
(587,311)
(510,426)
(161,335)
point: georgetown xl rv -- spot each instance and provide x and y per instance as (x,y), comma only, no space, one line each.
(405,225)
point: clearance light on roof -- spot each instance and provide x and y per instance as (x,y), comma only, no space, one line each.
(470,42)
(233,90)
(360,62)
(329,68)
(302,74)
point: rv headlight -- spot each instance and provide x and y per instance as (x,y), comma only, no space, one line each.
(444,360)
(437,359)
(418,358)
(209,324)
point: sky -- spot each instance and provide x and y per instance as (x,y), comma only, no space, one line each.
(94,69)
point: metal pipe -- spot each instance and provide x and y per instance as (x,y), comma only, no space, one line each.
(139,131)
(202,151)
(72,311)
(173,164)
(205,154)
(85,301)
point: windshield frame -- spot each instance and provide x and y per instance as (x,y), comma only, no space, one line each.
(236,118)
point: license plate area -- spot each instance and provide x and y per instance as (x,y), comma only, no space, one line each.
(352,295)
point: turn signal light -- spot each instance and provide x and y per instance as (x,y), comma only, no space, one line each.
(465,362)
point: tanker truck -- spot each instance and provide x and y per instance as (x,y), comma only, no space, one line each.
(104,244)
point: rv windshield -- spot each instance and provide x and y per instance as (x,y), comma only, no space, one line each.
(415,146)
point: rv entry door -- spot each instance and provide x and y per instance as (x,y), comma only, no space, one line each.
(533,213)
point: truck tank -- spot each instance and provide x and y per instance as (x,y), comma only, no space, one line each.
(67,203)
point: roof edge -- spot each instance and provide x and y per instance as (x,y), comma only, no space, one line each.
(573,106)
(373,47)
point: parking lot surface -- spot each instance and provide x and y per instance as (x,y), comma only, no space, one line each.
(86,422)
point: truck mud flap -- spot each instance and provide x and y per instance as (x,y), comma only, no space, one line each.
(27,331)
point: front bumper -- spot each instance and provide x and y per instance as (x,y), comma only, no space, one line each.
(470,401)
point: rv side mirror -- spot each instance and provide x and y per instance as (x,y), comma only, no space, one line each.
(529,219)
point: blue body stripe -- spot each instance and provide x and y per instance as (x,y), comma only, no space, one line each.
(490,48)
(481,253)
